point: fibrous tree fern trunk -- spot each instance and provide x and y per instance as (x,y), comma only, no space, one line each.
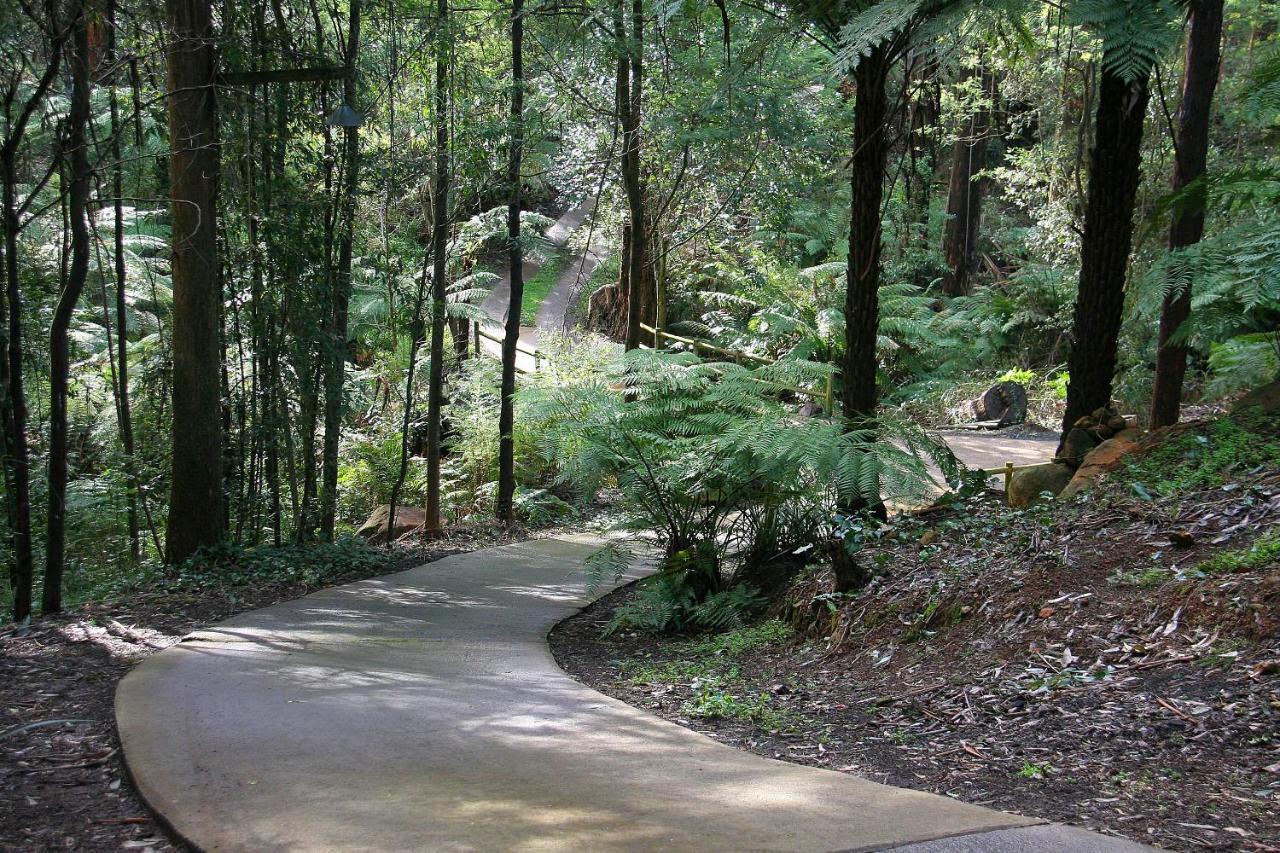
(1199,79)
(862,298)
(630,95)
(196,506)
(1115,162)
(505,504)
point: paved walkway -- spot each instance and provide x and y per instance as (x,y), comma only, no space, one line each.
(554,308)
(423,711)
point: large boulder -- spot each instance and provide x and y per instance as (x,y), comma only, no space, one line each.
(1266,397)
(408,518)
(1026,486)
(1102,459)
(1078,444)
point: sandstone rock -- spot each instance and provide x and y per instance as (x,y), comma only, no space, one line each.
(1265,397)
(407,518)
(1101,459)
(1027,485)
(1076,445)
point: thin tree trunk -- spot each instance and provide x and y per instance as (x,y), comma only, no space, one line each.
(77,149)
(13,399)
(196,503)
(964,201)
(1108,233)
(1199,79)
(333,392)
(862,290)
(124,412)
(415,345)
(630,101)
(505,507)
(439,250)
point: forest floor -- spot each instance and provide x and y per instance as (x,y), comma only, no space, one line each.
(1112,662)
(61,755)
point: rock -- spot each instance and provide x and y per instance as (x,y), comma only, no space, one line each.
(1118,423)
(1027,485)
(1102,459)
(407,518)
(1265,397)
(1076,445)
(1005,403)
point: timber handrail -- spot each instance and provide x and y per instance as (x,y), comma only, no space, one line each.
(481,331)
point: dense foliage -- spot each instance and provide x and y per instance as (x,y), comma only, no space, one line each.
(727,141)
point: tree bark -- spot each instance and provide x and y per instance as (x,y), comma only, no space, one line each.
(1199,80)
(334,400)
(124,412)
(75,148)
(196,503)
(630,98)
(964,202)
(862,298)
(1115,161)
(505,505)
(439,250)
(13,400)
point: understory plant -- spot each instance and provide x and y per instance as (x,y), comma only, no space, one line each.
(735,489)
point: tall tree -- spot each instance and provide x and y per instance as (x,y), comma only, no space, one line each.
(1115,163)
(862,284)
(335,376)
(505,505)
(630,97)
(1191,154)
(75,146)
(18,113)
(440,257)
(124,415)
(196,503)
(964,201)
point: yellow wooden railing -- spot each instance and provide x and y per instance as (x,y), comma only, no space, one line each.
(479,331)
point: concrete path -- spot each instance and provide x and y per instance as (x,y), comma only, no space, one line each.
(423,711)
(550,317)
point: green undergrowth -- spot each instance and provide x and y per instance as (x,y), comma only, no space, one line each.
(1208,457)
(709,666)
(1262,553)
(541,284)
(227,568)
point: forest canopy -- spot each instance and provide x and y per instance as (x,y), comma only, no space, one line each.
(269,265)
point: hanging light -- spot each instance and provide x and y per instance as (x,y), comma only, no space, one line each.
(344,116)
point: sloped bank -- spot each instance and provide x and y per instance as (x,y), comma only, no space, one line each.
(1112,661)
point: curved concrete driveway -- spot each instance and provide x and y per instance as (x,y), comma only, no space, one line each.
(423,711)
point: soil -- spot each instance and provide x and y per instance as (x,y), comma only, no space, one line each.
(61,770)
(1070,666)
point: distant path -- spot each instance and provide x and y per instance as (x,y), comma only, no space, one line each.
(551,313)
(423,711)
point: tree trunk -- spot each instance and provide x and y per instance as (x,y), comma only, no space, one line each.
(862,299)
(196,504)
(1108,234)
(505,506)
(630,98)
(13,400)
(333,392)
(124,413)
(964,203)
(76,142)
(439,250)
(1199,79)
